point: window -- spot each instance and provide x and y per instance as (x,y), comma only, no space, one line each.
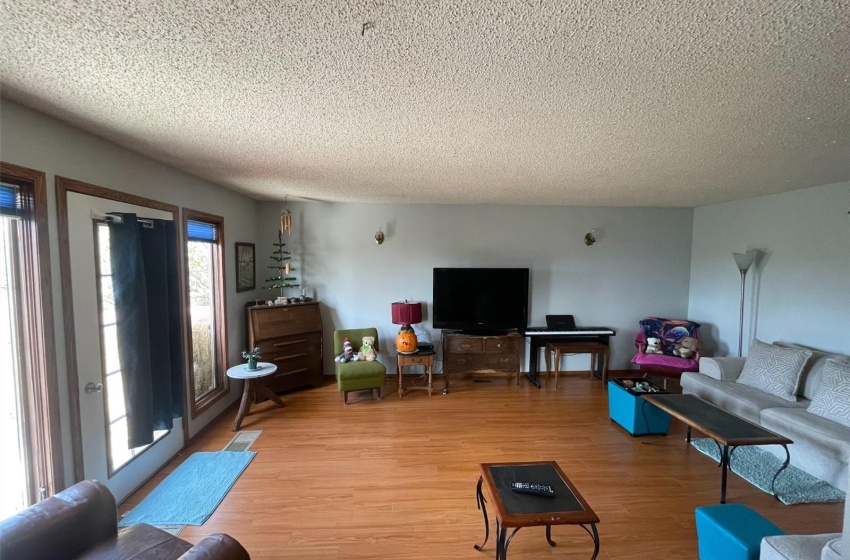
(29,422)
(205,286)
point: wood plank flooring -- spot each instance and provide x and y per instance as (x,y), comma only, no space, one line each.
(396,478)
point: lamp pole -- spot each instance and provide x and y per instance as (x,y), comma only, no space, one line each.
(744,262)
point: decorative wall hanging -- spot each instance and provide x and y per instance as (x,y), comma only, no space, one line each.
(246,271)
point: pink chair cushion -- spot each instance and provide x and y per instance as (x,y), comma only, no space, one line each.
(663,360)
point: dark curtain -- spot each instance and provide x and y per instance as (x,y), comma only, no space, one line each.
(147,308)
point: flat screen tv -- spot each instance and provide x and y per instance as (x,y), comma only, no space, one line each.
(480,299)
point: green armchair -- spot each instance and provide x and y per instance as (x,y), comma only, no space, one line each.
(360,375)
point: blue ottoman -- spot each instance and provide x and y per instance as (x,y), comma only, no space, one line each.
(731,532)
(629,410)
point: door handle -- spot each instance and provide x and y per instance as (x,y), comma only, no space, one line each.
(92,387)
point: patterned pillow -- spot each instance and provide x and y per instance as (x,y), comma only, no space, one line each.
(669,331)
(832,399)
(774,369)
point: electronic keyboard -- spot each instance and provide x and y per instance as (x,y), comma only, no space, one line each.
(577,331)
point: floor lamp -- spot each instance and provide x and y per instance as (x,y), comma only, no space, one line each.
(744,262)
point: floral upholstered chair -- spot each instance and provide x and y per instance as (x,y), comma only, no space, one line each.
(677,347)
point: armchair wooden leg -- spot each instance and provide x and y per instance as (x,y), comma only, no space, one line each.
(377,393)
(345,397)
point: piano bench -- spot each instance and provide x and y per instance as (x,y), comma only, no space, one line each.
(559,348)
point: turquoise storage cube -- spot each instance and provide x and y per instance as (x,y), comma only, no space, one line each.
(731,532)
(629,410)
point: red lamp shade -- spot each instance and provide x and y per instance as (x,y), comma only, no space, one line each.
(406,313)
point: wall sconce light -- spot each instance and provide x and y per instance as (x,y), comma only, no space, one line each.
(379,236)
(590,237)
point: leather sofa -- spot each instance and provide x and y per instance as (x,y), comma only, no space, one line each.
(81,522)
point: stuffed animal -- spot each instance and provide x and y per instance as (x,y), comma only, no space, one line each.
(347,353)
(653,346)
(687,347)
(367,352)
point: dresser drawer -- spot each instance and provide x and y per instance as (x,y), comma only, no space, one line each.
(277,321)
(463,344)
(501,344)
(296,343)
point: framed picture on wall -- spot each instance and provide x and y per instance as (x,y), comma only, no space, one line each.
(245,267)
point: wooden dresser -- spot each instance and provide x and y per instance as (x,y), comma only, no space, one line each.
(464,354)
(289,336)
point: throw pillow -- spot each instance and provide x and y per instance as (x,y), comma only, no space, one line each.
(774,369)
(832,399)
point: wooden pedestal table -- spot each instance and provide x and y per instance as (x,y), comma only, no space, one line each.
(253,385)
(421,358)
(577,347)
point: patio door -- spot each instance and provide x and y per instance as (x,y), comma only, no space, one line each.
(106,455)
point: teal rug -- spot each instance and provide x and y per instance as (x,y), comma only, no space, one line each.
(190,494)
(757,467)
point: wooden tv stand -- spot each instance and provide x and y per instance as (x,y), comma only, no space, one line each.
(469,354)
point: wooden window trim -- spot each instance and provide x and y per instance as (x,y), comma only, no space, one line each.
(63,187)
(220,306)
(42,408)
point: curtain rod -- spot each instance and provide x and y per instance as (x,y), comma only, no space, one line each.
(117,219)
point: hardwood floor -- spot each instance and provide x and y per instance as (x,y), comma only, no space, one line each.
(396,478)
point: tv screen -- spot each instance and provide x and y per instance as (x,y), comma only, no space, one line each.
(480,299)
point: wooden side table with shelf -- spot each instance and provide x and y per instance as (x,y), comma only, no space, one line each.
(423,358)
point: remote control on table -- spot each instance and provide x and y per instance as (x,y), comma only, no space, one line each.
(531,488)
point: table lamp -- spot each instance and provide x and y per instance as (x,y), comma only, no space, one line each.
(406,313)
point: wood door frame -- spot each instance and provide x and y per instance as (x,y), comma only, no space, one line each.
(42,408)
(201,405)
(63,187)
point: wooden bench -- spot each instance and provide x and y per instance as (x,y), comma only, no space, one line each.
(577,347)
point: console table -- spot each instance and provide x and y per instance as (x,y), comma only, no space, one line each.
(464,353)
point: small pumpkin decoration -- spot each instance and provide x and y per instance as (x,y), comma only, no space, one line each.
(406,342)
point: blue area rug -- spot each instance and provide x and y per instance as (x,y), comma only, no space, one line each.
(190,494)
(757,467)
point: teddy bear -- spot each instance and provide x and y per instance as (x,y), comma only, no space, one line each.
(653,346)
(347,353)
(687,347)
(367,351)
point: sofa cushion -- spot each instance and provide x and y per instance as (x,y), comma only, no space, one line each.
(831,438)
(774,369)
(736,398)
(832,550)
(832,399)
(810,377)
(794,547)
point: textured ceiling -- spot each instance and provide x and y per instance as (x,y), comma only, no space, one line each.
(654,102)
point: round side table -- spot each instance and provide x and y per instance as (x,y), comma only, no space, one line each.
(253,385)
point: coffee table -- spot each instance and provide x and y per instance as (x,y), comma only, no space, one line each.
(726,429)
(514,510)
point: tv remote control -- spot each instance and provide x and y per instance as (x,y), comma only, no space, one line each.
(531,488)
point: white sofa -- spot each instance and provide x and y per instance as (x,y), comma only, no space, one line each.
(801,547)
(821,446)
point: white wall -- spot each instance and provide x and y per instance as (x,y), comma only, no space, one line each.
(799,291)
(638,267)
(34,140)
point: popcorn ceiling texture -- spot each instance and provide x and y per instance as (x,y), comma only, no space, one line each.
(651,103)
